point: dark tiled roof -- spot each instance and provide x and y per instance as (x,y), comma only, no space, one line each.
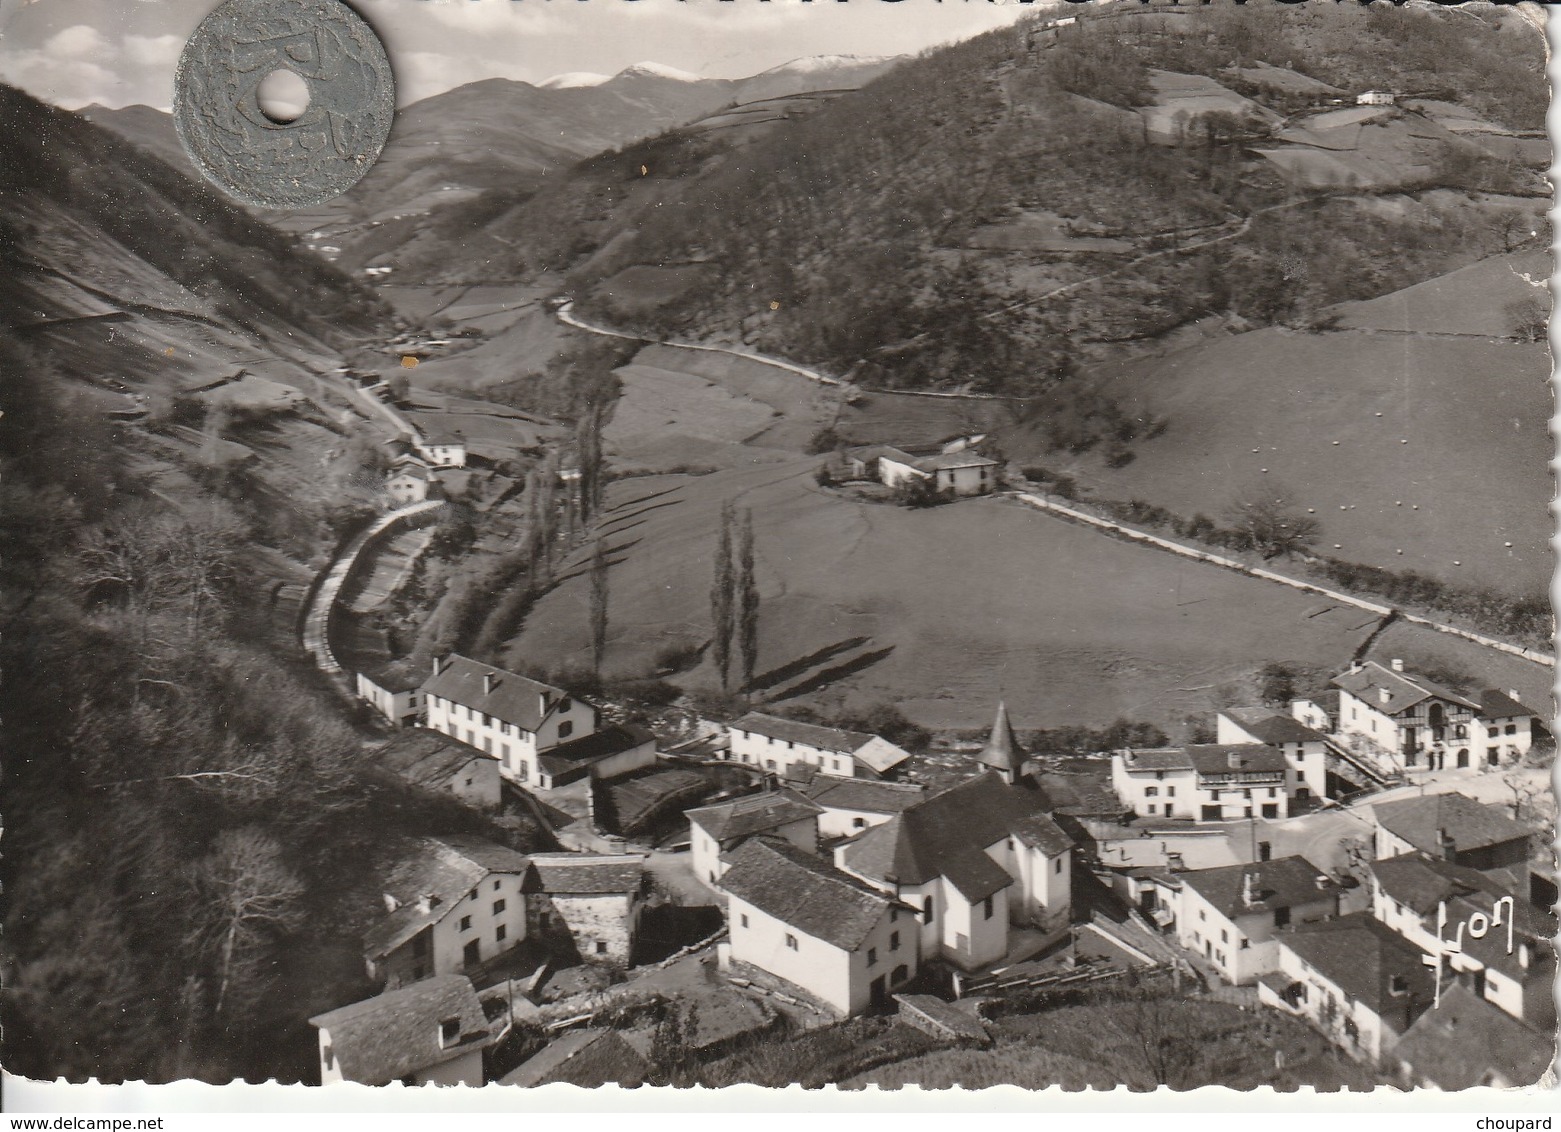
(1215,758)
(1273,727)
(1157,758)
(1470,824)
(1420,882)
(587,1058)
(975,875)
(514,698)
(1404,689)
(383,1039)
(1362,956)
(575,874)
(917,845)
(1002,750)
(393,676)
(428,758)
(803,891)
(811,734)
(443,869)
(1040,832)
(861,794)
(599,745)
(1466,1041)
(757,813)
(1496,704)
(1286,882)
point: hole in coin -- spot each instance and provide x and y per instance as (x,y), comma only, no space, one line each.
(283,96)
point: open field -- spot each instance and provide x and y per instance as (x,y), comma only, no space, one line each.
(958,605)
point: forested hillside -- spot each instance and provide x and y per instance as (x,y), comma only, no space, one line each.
(996,212)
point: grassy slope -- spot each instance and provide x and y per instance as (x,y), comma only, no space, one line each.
(1472,409)
(978,599)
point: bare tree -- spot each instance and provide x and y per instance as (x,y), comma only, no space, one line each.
(243,891)
(1266,516)
(1529,319)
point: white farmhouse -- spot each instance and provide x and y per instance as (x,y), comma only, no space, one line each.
(1231,915)
(394,694)
(1508,725)
(432,1032)
(793,917)
(773,744)
(440,449)
(1376,98)
(1414,721)
(951,473)
(850,805)
(1204,782)
(716,831)
(1304,748)
(429,760)
(503,714)
(593,898)
(454,902)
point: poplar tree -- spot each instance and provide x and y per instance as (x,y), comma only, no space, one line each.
(721,598)
(747,601)
(598,605)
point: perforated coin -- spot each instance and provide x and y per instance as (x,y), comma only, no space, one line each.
(320,154)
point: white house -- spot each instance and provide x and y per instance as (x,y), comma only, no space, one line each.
(440,449)
(432,1032)
(454,902)
(1376,98)
(793,917)
(1412,720)
(1304,748)
(1427,900)
(774,744)
(1231,915)
(429,760)
(847,806)
(503,714)
(1508,726)
(1204,782)
(395,695)
(407,481)
(715,831)
(593,898)
(974,858)
(1354,979)
(953,473)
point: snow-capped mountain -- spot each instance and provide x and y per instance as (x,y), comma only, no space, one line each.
(571,80)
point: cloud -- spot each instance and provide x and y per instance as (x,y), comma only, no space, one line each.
(153,50)
(80,42)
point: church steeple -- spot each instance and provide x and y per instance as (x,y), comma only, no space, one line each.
(1002,751)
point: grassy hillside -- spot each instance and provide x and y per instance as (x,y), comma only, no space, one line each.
(943,611)
(1415,430)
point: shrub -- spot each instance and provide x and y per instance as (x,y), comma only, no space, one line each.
(918,492)
(824,440)
(677,656)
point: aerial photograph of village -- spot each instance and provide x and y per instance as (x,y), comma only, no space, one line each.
(1013,550)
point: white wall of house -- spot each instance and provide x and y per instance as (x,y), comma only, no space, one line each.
(1504,739)
(442,455)
(1242,948)
(1155,793)
(477,783)
(842,979)
(1385,843)
(1331,1011)
(976,934)
(1306,763)
(515,748)
(463,1070)
(839,822)
(491,918)
(406,488)
(705,853)
(893,473)
(776,755)
(966,481)
(625,762)
(400,708)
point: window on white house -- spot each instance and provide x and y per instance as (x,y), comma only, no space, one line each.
(743,919)
(1512,729)
(1224,936)
(500,932)
(1057,866)
(894,941)
(466,923)
(858,823)
(1151,791)
(986,908)
(791,941)
(449,1031)
(601,947)
(498,907)
(565,704)
(1170,791)
(926,909)
(872,956)
(565,729)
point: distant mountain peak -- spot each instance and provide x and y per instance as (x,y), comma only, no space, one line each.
(810,63)
(660,71)
(571,79)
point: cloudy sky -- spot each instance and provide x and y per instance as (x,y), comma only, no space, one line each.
(120,52)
